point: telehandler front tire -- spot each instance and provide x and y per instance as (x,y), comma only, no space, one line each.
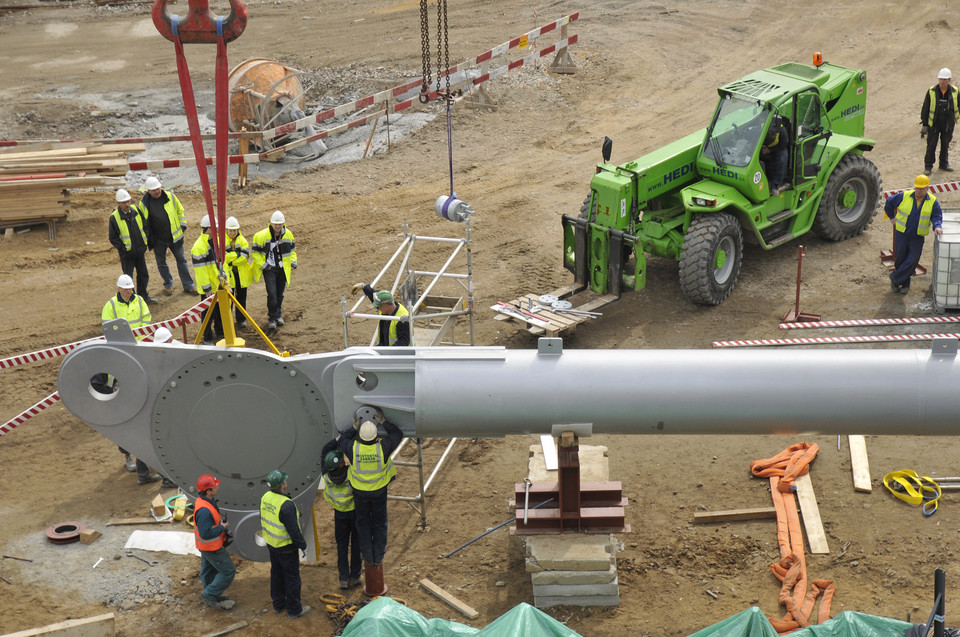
(850,199)
(710,258)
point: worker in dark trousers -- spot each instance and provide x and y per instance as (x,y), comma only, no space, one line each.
(370,471)
(392,333)
(338,492)
(280,527)
(938,116)
(128,233)
(913,213)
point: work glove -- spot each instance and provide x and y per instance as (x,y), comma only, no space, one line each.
(923,131)
(293,264)
(357,288)
(206,290)
(183,227)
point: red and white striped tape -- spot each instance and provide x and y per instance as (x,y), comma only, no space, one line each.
(868,322)
(950,186)
(835,340)
(192,315)
(29,413)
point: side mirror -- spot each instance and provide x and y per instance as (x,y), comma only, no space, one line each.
(607,149)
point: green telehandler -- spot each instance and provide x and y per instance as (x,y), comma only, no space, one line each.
(700,198)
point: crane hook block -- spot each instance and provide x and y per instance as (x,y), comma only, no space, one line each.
(200,25)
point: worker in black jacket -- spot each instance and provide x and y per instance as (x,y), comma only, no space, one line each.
(280,527)
(392,333)
(938,116)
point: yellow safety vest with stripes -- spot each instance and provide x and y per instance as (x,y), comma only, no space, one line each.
(340,496)
(136,312)
(205,263)
(124,228)
(175,214)
(392,337)
(369,471)
(933,104)
(274,532)
(906,207)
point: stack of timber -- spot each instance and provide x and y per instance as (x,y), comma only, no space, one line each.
(35,179)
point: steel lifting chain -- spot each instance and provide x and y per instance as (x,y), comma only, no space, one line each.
(425,53)
(443,66)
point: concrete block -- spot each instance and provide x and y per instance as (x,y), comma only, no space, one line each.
(578,590)
(598,600)
(594,465)
(546,578)
(570,552)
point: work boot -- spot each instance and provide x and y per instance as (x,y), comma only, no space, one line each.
(242,325)
(130,463)
(271,325)
(303,611)
(893,286)
(167,291)
(153,477)
(928,170)
(355,581)
(904,289)
(190,290)
(279,321)
(150,300)
(946,168)
(344,585)
(168,484)
(225,604)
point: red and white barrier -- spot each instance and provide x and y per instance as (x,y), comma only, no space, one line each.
(950,186)
(922,320)
(835,340)
(26,415)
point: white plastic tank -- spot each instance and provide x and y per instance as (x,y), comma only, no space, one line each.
(946,264)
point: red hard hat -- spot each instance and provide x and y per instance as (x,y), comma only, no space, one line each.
(207,481)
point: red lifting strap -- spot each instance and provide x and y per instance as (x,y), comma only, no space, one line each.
(199,26)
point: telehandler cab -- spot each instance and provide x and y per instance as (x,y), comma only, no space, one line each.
(698,199)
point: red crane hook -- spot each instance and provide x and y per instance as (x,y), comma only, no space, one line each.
(199,26)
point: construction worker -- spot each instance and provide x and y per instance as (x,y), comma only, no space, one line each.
(211,533)
(165,217)
(938,115)
(392,333)
(274,257)
(775,155)
(280,525)
(128,235)
(370,470)
(126,305)
(208,278)
(913,213)
(237,264)
(338,492)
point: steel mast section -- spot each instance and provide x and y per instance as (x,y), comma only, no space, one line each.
(238,413)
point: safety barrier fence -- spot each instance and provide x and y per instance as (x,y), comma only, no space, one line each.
(834,340)
(383,97)
(193,315)
(950,186)
(920,320)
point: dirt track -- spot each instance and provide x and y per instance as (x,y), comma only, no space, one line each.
(647,74)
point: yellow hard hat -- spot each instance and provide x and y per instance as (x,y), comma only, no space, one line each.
(922,181)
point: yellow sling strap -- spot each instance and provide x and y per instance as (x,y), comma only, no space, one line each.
(913,489)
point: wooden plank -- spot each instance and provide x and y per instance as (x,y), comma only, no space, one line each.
(226,630)
(96,626)
(128,521)
(816,538)
(549,452)
(734,515)
(448,599)
(859,464)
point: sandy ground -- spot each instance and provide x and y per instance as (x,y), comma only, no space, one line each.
(647,73)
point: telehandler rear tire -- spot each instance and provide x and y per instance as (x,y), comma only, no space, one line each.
(710,258)
(850,199)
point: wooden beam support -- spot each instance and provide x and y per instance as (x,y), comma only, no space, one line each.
(448,599)
(859,464)
(816,538)
(735,515)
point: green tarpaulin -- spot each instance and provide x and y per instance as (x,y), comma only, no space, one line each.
(753,623)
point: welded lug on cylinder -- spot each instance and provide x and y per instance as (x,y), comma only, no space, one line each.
(200,25)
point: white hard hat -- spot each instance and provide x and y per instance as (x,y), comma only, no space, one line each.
(125,282)
(944,74)
(277,217)
(205,221)
(152,183)
(232,223)
(368,431)
(162,335)
(122,195)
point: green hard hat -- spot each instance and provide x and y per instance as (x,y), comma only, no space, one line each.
(381,297)
(333,460)
(276,478)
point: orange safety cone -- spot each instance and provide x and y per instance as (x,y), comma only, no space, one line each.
(373,585)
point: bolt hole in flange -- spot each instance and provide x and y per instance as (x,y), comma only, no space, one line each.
(367,381)
(103,386)
(64,532)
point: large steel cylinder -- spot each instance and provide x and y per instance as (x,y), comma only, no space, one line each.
(255,85)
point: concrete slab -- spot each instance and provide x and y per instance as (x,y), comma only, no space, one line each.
(599,600)
(594,464)
(578,590)
(546,578)
(570,552)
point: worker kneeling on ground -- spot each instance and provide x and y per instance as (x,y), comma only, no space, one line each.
(210,530)
(370,471)
(280,523)
(395,333)
(338,492)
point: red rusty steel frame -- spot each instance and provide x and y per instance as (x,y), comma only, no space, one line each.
(199,26)
(794,315)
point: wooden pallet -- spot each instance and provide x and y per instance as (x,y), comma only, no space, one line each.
(558,322)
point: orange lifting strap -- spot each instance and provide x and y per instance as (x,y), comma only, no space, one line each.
(783,469)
